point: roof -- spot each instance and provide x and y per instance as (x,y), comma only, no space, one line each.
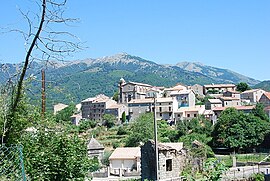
(76,116)
(177,87)
(177,146)
(93,144)
(232,91)
(251,91)
(138,83)
(240,108)
(138,101)
(267,94)
(115,106)
(215,101)
(229,98)
(126,153)
(164,99)
(219,85)
(180,92)
(195,108)
(90,99)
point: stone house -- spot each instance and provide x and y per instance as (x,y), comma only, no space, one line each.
(265,99)
(252,96)
(85,107)
(95,149)
(185,98)
(172,158)
(125,160)
(132,90)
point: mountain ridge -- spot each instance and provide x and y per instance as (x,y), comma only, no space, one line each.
(81,79)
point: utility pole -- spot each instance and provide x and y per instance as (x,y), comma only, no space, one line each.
(43,95)
(156,141)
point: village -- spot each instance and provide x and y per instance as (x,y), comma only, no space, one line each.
(175,104)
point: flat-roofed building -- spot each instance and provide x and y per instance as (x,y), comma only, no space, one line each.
(185,98)
(230,101)
(218,88)
(211,103)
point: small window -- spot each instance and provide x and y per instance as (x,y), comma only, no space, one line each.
(195,115)
(160,114)
(160,109)
(178,115)
(188,115)
(169,165)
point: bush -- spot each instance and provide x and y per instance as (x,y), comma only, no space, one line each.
(121,131)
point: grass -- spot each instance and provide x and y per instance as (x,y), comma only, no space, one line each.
(244,158)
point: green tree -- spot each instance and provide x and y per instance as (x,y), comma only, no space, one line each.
(52,154)
(259,112)
(116,96)
(236,130)
(66,113)
(109,120)
(242,86)
(124,117)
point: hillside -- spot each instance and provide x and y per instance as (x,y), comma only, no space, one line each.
(265,85)
(80,79)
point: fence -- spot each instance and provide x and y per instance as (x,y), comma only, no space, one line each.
(11,163)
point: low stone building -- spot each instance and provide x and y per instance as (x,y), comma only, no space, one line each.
(172,159)
(95,149)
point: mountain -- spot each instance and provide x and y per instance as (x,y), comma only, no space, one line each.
(80,79)
(216,73)
(265,85)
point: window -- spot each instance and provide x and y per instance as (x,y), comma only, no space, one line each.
(178,115)
(170,108)
(160,114)
(188,115)
(195,115)
(169,165)
(160,109)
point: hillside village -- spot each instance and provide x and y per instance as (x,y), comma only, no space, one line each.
(174,104)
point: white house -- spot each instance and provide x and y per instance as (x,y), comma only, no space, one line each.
(125,160)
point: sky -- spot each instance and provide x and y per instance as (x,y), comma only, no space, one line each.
(227,34)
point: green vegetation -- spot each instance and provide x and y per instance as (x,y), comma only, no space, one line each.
(265,85)
(242,86)
(238,130)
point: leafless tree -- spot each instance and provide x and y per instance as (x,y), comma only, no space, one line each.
(43,41)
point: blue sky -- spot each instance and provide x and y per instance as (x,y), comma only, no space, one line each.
(228,34)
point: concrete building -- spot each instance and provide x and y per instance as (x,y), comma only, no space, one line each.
(253,95)
(179,87)
(212,103)
(125,160)
(230,101)
(165,108)
(185,98)
(76,118)
(172,160)
(218,88)
(188,113)
(139,106)
(245,109)
(234,94)
(132,90)
(94,108)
